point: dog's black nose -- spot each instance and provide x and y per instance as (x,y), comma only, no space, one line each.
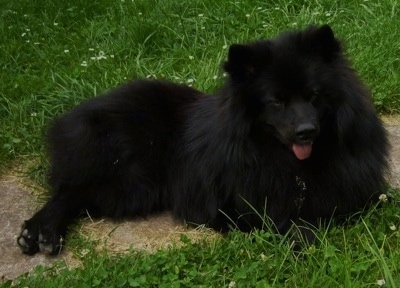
(305,132)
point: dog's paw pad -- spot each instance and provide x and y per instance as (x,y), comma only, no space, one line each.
(27,243)
(21,242)
(25,233)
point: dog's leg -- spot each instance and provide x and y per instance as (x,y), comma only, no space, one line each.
(46,230)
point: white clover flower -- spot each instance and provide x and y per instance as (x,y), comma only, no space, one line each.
(66,51)
(190,80)
(381,282)
(191,57)
(215,77)
(23,34)
(201,15)
(247,15)
(55,24)
(232,284)
(101,55)
(225,46)
(84,64)
(84,252)
(383,198)
(393,227)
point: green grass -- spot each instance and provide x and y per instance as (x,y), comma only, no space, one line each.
(54,54)
(358,254)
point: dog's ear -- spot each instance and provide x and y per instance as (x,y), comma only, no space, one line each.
(241,62)
(324,43)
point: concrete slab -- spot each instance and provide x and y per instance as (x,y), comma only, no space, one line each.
(16,205)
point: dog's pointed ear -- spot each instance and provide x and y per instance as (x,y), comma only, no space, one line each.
(241,61)
(324,42)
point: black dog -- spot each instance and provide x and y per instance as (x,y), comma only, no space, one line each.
(291,135)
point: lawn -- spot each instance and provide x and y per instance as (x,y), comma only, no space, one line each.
(54,54)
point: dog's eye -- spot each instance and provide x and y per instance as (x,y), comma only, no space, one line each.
(314,95)
(277,103)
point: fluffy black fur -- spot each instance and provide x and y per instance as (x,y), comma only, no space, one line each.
(292,135)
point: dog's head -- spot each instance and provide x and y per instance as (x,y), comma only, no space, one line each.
(287,84)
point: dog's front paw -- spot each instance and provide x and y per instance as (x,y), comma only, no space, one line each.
(28,241)
(34,238)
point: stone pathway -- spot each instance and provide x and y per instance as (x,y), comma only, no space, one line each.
(18,204)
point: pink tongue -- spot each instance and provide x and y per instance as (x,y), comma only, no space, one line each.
(302,151)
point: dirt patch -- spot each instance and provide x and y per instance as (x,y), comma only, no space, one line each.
(156,232)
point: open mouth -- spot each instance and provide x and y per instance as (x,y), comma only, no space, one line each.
(302,151)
